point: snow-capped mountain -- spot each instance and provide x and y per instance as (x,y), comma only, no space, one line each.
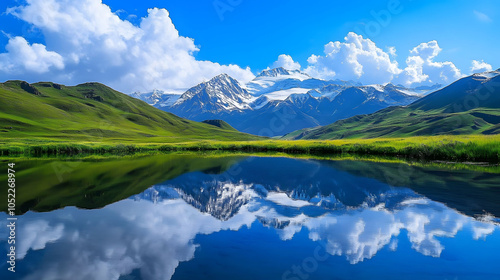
(220,94)
(279,83)
(279,101)
(157,98)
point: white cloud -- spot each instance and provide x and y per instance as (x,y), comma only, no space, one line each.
(480,66)
(482,16)
(286,61)
(355,59)
(86,41)
(422,69)
(23,57)
(391,51)
(360,59)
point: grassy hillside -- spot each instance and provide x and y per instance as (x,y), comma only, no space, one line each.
(220,124)
(468,106)
(404,122)
(92,112)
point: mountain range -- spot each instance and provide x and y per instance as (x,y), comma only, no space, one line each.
(279,101)
(470,105)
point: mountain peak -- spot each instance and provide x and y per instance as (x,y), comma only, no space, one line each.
(274,72)
(221,76)
(221,93)
(222,79)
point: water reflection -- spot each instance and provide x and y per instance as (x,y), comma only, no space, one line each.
(149,235)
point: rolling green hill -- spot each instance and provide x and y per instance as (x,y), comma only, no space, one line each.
(469,106)
(93,112)
(220,124)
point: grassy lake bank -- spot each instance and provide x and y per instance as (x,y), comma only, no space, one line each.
(469,148)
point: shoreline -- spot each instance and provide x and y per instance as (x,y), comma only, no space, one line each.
(473,149)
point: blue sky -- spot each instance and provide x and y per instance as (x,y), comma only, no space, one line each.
(254,33)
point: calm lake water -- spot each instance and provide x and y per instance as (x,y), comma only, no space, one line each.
(236,217)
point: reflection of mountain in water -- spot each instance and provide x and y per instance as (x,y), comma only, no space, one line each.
(223,200)
(358,232)
(334,185)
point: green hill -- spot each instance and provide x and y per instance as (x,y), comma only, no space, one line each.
(469,106)
(92,112)
(220,124)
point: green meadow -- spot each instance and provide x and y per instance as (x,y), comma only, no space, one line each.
(476,148)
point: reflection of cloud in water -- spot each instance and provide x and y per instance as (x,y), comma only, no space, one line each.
(360,233)
(357,235)
(481,230)
(36,234)
(155,237)
(107,243)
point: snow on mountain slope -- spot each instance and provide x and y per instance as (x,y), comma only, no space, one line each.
(328,91)
(278,72)
(488,75)
(157,98)
(221,93)
(279,79)
(389,94)
(284,94)
(260,102)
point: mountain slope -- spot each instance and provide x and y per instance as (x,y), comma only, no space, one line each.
(157,98)
(220,94)
(469,106)
(92,112)
(220,124)
(280,81)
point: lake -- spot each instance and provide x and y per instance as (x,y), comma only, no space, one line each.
(192,216)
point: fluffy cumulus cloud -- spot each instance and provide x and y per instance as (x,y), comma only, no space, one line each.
(480,66)
(286,62)
(361,59)
(354,59)
(23,57)
(86,41)
(421,67)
